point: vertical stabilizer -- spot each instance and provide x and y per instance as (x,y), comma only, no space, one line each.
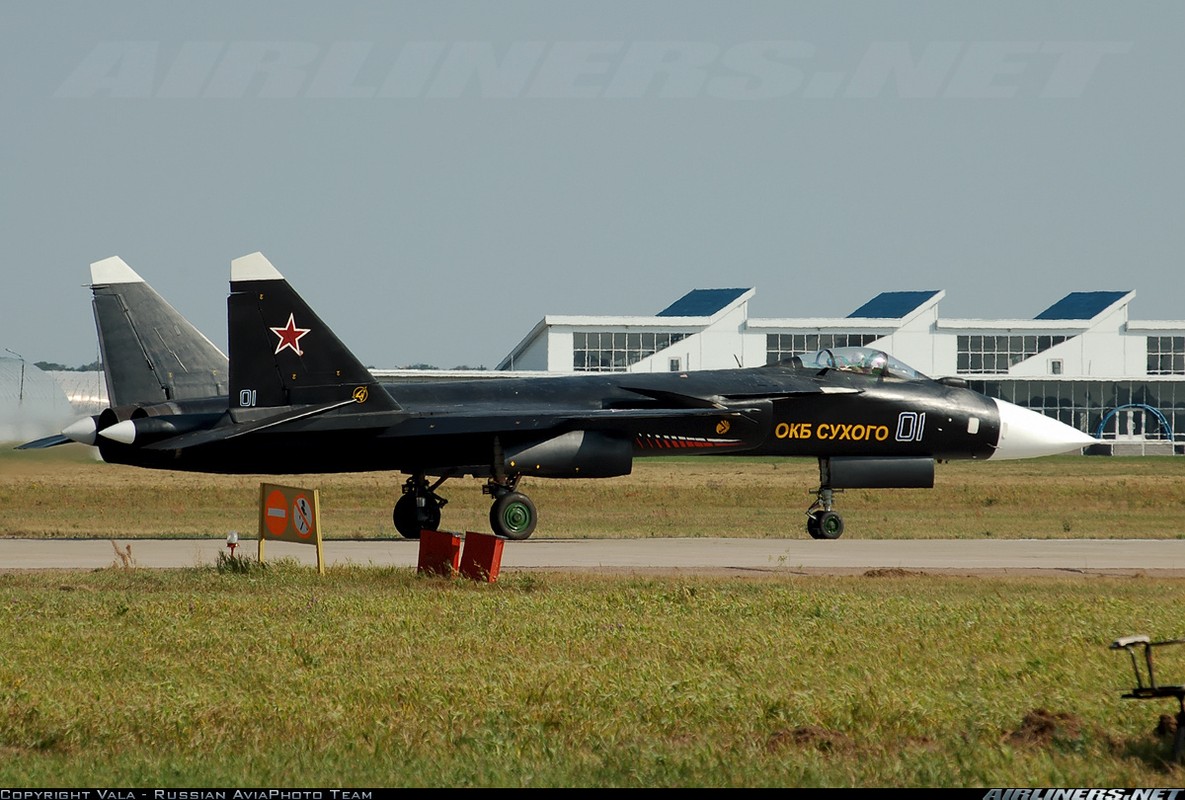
(150,353)
(281,353)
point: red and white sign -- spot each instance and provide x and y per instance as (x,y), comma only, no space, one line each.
(275,513)
(302,516)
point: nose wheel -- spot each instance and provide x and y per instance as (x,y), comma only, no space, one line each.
(821,521)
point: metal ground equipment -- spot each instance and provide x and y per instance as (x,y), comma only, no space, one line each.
(1147,688)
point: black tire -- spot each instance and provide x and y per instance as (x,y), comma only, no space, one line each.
(513,515)
(410,520)
(812,526)
(830,525)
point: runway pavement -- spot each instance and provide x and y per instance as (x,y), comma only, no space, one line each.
(754,556)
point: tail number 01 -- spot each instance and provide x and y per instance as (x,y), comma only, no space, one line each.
(247,398)
(910,426)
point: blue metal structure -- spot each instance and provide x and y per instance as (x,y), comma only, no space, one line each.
(1156,412)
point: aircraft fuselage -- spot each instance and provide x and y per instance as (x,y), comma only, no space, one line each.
(456,427)
(296,400)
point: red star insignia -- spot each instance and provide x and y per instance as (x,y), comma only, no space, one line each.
(290,336)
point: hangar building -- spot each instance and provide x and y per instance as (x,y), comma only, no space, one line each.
(32,403)
(1082,360)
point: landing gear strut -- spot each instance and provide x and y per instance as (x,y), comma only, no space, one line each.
(512,515)
(419,507)
(821,521)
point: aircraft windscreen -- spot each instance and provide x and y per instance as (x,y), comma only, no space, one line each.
(863,360)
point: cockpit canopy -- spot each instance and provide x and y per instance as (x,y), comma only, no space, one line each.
(861,360)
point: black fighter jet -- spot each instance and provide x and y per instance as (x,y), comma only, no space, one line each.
(292,399)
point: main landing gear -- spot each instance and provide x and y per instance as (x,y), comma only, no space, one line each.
(419,507)
(512,514)
(821,521)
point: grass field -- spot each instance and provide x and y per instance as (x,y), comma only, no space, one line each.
(241,676)
(65,492)
(377,677)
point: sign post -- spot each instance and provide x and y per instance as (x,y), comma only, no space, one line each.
(290,514)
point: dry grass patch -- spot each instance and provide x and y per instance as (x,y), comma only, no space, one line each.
(68,493)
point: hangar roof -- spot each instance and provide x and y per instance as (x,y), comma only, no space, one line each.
(1082,305)
(701,303)
(893,305)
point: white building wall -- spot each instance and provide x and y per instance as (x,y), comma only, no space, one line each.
(537,354)
(1135,351)
(721,344)
(753,345)
(913,342)
(944,349)
(1102,346)
(558,356)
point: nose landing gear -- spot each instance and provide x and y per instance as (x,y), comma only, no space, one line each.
(821,521)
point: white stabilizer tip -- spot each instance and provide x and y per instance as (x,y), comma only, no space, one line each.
(113,270)
(124,432)
(82,431)
(253,267)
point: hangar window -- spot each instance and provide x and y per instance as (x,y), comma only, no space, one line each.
(989,354)
(1088,404)
(615,351)
(1166,355)
(781,346)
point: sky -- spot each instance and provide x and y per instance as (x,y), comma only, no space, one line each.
(436,177)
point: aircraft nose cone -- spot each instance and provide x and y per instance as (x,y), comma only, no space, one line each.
(82,431)
(124,432)
(1027,434)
